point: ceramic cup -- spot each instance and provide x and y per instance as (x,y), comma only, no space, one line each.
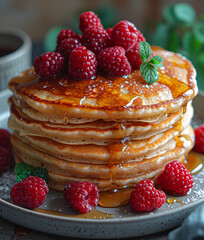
(15,54)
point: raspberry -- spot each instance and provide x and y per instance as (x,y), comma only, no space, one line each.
(109,31)
(175,179)
(5,139)
(82,63)
(82,196)
(199,139)
(66,34)
(4,158)
(140,37)
(145,197)
(95,38)
(133,56)
(30,192)
(49,64)
(113,61)
(88,19)
(124,34)
(67,45)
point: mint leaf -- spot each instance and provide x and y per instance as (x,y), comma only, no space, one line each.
(145,51)
(149,72)
(157,61)
(40,172)
(184,12)
(22,171)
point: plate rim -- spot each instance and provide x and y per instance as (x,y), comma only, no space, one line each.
(141,217)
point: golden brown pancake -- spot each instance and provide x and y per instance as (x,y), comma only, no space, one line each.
(112,131)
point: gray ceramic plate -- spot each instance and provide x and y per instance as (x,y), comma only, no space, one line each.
(126,223)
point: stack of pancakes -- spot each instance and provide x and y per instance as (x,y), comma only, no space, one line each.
(112,131)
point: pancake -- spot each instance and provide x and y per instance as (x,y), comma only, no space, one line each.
(112,131)
(107,97)
(128,173)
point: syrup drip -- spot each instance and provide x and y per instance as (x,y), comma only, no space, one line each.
(194,162)
(115,199)
(120,93)
(94,214)
(116,151)
(174,200)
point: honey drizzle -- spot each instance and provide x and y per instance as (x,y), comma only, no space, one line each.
(118,93)
(174,200)
(194,162)
(94,214)
(115,199)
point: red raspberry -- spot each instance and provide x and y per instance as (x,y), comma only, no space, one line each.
(5,158)
(49,64)
(109,31)
(175,179)
(88,19)
(5,139)
(133,56)
(95,38)
(124,34)
(66,34)
(140,37)
(82,63)
(82,196)
(199,139)
(113,61)
(145,197)
(67,45)
(30,192)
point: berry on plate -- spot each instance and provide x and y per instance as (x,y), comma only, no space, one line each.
(124,34)
(82,63)
(5,158)
(199,139)
(67,45)
(66,34)
(82,196)
(113,61)
(49,64)
(175,179)
(88,19)
(30,192)
(145,197)
(95,39)
(5,139)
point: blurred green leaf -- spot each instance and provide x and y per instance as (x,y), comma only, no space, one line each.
(200,60)
(50,38)
(200,77)
(201,17)
(174,40)
(198,31)
(161,34)
(184,12)
(190,43)
(169,15)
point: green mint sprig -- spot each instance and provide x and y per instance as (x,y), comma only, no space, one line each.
(24,170)
(149,67)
